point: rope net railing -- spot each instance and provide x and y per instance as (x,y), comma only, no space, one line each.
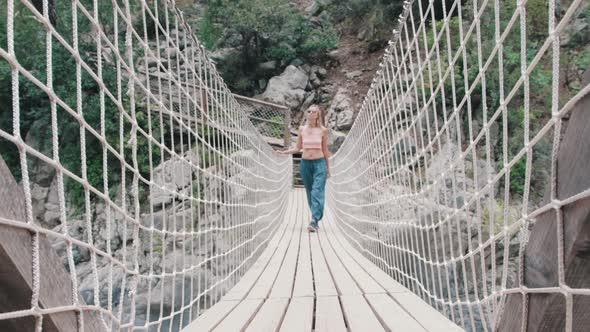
(272,121)
(453,160)
(137,164)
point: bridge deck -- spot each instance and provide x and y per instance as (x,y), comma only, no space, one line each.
(317,282)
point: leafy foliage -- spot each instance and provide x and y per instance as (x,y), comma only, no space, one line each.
(209,32)
(502,74)
(377,15)
(36,118)
(262,30)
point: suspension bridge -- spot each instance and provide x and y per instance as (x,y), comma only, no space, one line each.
(166,208)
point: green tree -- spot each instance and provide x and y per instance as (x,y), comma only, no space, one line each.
(540,83)
(378,16)
(265,30)
(35,118)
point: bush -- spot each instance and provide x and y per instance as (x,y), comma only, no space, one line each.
(265,30)
(517,177)
(380,15)
(540,81)
(35,117)
(281,52)
(318,43)
(208,32)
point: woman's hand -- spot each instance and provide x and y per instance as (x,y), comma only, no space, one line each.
(282,151)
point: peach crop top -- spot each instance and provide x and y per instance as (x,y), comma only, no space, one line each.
(311,138)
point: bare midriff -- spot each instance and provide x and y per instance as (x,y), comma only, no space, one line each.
(312,154)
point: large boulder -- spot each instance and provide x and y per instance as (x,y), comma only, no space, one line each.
(345,119)
(448,188)
(335,140)
(341,114)
(287,89)
(112,236)
(460,184)
(106,272)
(38,197)
(77,230)
(171,177)
(45,203)
(482,171)
(52,214)
(309,99)
(315,80)
(319,71)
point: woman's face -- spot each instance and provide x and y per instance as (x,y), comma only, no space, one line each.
(313,114)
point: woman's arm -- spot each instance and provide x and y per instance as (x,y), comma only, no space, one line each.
(297,147)
(325,148)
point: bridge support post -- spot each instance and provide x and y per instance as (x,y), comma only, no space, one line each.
(16,270)
(287,128)
(542,256)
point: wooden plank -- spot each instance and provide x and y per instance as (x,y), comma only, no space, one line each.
(16,266)
(274,251)
(299,316)
(392,315)
(211,317)
(357,311)
(214,315)
(328,315)
(364,280)
(303,274)
(240,317)
(269,316)
(266,281)
(382,278)
(283,286)
(324,285)
(325,251)
(429,317)
(344,283)
(359,315)
(417,305)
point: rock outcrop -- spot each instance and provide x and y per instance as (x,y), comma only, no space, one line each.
(288,89)
(340,115)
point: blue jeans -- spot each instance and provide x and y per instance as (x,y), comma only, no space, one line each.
(314,173)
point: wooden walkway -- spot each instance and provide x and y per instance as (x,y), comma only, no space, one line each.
(317,282)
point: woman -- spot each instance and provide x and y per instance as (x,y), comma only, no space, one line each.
(314,167)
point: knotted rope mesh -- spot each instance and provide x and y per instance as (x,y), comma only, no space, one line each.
(270,121)
(158,192)
(453,157)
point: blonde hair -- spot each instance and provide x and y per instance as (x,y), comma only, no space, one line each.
(320,121)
